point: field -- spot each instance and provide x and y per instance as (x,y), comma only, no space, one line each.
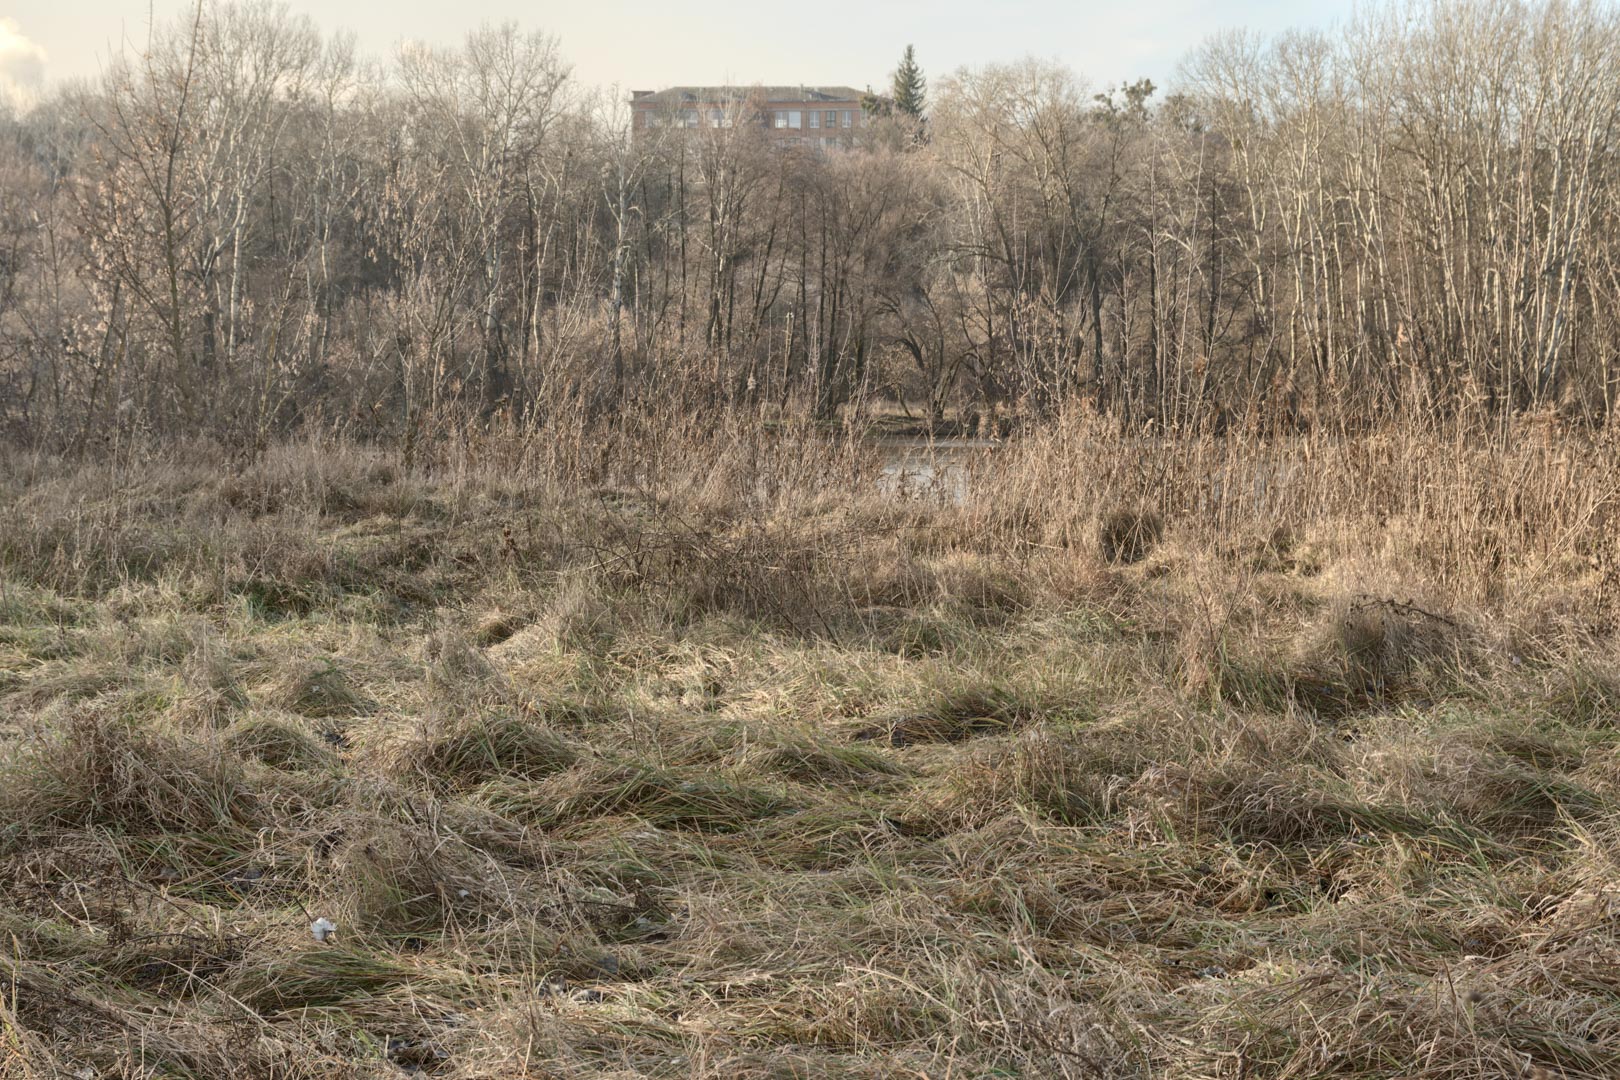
(706,755)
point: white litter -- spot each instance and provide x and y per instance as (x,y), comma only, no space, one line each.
(323,928)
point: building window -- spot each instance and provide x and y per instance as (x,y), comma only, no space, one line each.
(832,118)
(689,118)
(795,119)
(815,118)
(781,119)
(717,118)
(653,119)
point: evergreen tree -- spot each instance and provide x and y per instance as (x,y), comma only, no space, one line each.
(910,88)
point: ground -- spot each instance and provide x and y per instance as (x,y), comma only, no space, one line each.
(766,770)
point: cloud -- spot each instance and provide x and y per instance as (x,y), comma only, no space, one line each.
(22,65)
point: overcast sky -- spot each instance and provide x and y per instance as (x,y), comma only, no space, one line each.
(649,44)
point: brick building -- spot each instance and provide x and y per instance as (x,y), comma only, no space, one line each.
(820,117)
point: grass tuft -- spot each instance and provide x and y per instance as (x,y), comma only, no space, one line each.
(476,749)
(94,769)
(282,742)
(1125,535)
(318,691)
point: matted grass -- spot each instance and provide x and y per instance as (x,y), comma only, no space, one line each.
(804,782)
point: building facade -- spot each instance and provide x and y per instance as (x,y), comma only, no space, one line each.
(818,117)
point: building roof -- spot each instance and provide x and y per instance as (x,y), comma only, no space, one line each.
(677,95)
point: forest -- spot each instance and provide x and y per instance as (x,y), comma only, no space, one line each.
(246,229)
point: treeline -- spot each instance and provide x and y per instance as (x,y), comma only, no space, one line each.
(247,229)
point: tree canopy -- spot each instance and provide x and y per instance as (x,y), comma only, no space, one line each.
(910,89)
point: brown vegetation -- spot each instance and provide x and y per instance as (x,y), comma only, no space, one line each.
(630,772)
(427,509)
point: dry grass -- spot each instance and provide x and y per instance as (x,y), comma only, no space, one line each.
(1127,535)
(724,763)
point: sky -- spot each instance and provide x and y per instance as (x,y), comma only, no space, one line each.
(650,44)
